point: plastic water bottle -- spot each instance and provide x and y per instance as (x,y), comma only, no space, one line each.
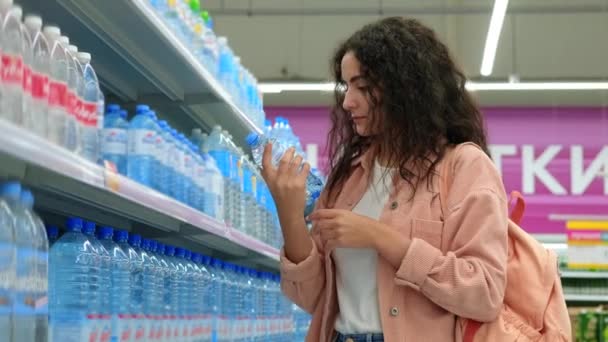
(26,80)
(223,321)
(136,301)
(214,297)
(218,149)
(57,115)
(24,315)
(213,183)
(168,149)
(182,292)
(251,301)
(11,103)
(150,289)
(8,266)
(74,265)
(35,119)
(72,135)
(77,101)
(204,305)
(119,284)
(314,185)
(92,113)
(114,138)
(101,317)
(170,293)
(236,180)
(140,155)
(157,249)
(41,257)
(160,155)
(52,234)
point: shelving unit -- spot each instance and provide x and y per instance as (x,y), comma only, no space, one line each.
(66,185)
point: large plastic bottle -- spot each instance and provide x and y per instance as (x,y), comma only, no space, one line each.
(165,272)
(141,148)
(217,148)
(214,296)
(170,294)
(35,117)
(24,315)
(72,133)
(76,102)
(257,142)
(155,249)
(41,256)
(12,35)
(114,138)
(213,183)
(182,292)
(161,148)
(100,307)
(150,288)
(119,285)
(136,302)
(8,262)
(74,264)
(57,115)
(202,306)
(92,118)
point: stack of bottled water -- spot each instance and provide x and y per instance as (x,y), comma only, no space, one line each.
(23,267)
(47,85)
(195,29)
(116,286)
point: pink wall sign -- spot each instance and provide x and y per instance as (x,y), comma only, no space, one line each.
(557,157)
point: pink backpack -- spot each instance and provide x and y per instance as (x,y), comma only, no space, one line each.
(534,308)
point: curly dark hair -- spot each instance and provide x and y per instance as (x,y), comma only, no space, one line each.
(422,97)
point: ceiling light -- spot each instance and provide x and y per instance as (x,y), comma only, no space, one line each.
(496,21)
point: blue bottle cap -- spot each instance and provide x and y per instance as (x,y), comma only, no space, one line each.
(105,233)
(113,108)
(169,250)
(27,199)
(121,235)
(141,109)
(146,244)
(124,113)
(52,231)
(252,139)
(187,254)
(180,252)
(197,258)
(11,190)
(74,224)
(153,245)
(89,228)
(160,248)
(134,240)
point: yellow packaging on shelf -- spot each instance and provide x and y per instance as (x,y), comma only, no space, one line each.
(587,245)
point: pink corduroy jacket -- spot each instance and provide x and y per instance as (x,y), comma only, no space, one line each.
(455,265)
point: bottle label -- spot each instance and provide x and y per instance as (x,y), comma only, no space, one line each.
(57,93)
(40,85)
(142,142)
(160,149)
(27,79)
(25,299)
(12,69)
(92,328)
(121,325)
(89,114)
(80,112)
(114,141)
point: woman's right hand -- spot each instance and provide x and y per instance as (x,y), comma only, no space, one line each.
(287,182)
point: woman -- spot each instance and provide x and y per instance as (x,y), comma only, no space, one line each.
(383,263)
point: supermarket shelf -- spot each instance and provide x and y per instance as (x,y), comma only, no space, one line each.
(584,274)
(586,298)
(66,184)
(139,59)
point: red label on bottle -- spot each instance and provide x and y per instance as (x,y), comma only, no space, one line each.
(40,85)
(27,79)
(57,93)
(12,69)
(90,110)
(71,103)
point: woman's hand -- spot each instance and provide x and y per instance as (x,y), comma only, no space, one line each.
(345,229)
(287,183)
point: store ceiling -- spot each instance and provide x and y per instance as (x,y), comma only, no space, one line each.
(546,40)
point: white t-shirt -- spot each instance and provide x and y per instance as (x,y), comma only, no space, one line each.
(356,267)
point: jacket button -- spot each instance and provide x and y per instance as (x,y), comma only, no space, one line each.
(394,205)
(394,311)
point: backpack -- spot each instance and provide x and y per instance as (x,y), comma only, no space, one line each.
(534,308)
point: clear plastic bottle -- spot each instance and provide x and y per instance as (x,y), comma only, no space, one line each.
(92,117)
(170,295)
(182,292)
(8,262)
(100,320)
(76,101)
(35,117)
(141,148)
(57,115)
(12,35)
(74,265)
(114,138)
(119,286)
(136,302)
(72,139)
(150,288)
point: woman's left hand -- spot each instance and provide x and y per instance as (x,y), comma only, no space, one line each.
(343,228)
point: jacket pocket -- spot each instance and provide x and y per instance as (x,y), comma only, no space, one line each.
(429,231)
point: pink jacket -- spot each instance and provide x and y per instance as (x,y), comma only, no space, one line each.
(455,266)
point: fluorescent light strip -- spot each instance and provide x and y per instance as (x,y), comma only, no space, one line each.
(496,21)
(471,86)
